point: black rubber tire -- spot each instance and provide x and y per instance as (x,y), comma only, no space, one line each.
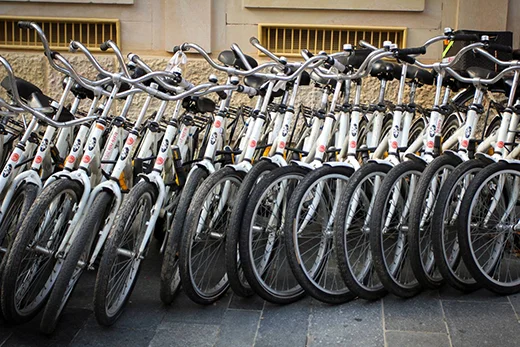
(419,236)
(70,271)
(20,247)
(264,290)
(143,190)
(439,225)
(334,290)
(378,218)
(464,232)
(170,278)
(215,267)
(23,199)
(343,238)
(236,277)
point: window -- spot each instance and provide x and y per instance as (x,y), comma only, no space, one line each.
(59,31)
(290,39)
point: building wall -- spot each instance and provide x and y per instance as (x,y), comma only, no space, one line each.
(152,27)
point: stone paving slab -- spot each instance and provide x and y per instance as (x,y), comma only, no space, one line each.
(434,318)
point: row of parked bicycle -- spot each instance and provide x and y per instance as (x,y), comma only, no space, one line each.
(337,200)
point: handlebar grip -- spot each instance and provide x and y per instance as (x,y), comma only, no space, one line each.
(176,49)
(73,45)
(409,51)
(406,58)
(104,46)
(254,40)
(465,37)
(500,48)
(222,94)
(183,47)
(309,54)
(24,25)
(247,90)
(133,57)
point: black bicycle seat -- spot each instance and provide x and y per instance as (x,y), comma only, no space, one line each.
(230,58)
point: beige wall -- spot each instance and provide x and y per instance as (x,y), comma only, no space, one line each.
(153,27)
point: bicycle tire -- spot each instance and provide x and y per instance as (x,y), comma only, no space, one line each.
(105,313)
(70,271)
(316,271)
(20,246)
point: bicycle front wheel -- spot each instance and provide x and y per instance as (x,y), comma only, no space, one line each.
(262,248)
(121,260)
(488,228)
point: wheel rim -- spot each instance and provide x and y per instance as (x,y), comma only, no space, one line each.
(494,242)
(425,226)
(449,231)
(357,232)
(36,276)
(266,246)
(207,250)
(126,262)
(313,240)
(394,241)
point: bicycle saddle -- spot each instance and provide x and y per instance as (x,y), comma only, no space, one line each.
(478,72)
(384,70)
(230,58)
(254,81)
(25,88)
(81,92)
(305,80)
(358,57)
(421,75)
(205,105)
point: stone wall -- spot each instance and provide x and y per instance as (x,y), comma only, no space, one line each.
(36,69)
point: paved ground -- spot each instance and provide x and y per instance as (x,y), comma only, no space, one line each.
(435,318)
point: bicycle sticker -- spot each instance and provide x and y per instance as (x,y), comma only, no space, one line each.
(321,148)
(71,159)
(353,144)
(87,159)
(433,129)
(92,144)
(7,170)
(468,132)
(354,130)
(44,145)
(76,146)
(124,153)
(430,144)
(213,138)
(285,130)
(395,133)
(15,157)
(281,145)
(165,145)
(160,161)
(38,159)
(252,144)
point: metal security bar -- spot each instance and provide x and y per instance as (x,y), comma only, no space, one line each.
(59,31)
(290,39)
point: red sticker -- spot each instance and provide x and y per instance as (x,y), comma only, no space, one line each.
(464,143)
(394,144)
(217,124)
(160,161)
(15,157)
(430,144)
(321,148)
(252,144)
(86,159)
(281,145)
(71,159)
(352,144)
(500,144)
(38,159)
(130,141)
